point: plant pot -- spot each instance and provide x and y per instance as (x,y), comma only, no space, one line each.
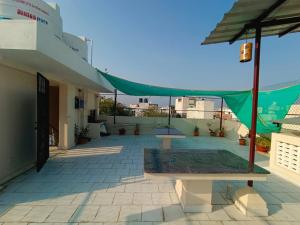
(242,141)
(122,131)
(221,134)
(82,140)
(212,134)
(136,132)
(261,148)
(196,133)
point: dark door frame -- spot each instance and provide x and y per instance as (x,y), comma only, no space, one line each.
(42,121)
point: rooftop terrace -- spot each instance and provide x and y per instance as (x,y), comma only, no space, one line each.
(102,183)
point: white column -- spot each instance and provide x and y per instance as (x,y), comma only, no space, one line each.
(66,116)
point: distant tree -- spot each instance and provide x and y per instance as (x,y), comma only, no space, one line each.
(152,112)
(107,108)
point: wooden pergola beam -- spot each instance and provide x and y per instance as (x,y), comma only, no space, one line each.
(288,30)
(254,23)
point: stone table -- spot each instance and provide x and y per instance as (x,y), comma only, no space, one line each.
(167,134)
(195,171)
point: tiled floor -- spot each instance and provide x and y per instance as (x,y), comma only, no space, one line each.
(102,183)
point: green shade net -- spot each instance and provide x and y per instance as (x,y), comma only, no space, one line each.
(272,104)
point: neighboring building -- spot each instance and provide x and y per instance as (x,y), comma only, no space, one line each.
(293,112)
(144,104)
(195,108)
(227,114)
(165,109)
(32,41)
(182,104)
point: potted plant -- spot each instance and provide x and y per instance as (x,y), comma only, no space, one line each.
(137,129)
(76,133)
(83,136)
(211,131)
(122,131)
(222,132)
(242,140)
(263,144)
(196,131)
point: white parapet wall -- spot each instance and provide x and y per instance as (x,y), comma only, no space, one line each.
(147,124)
(285,156)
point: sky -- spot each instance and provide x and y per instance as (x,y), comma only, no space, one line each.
(159,42)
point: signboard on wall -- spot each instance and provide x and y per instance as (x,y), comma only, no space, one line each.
(37,10)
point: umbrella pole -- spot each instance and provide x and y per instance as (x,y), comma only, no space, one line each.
(254,102)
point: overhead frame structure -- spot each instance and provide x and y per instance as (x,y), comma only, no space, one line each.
(256,19)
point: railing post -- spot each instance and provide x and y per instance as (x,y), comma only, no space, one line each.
(221,117)
(115,106)
(255,92)
(169,121)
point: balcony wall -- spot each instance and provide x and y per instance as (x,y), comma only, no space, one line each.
(147,124)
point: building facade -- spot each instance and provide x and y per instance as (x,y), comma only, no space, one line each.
(34,43)
(194,108)
(143,105)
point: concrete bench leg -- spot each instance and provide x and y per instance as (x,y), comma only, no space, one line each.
(250,203)
(195,195)
(166,143)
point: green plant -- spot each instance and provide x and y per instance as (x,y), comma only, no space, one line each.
(81,135)
(76,132)
(137,129)
(122,131)
(263,141)
(84,132)
(107,107)
(222,132)
(196,129)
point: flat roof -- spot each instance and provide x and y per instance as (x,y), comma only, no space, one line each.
(276,17)
(292,121)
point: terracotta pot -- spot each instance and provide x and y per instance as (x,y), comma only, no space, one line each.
(221,134)
(122,131)
(261,148)
(82,140)
(242,141)
(136,132)
(196,133)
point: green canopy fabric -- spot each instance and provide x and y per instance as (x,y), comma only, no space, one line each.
(272,104)
(137,89)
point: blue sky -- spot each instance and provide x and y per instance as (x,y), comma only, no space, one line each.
(158,42)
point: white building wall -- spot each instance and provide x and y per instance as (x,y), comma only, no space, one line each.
(203,110)
(187,126)
(46,15)
(77,44)
(181,104)
(36,10)
(285,156)
(18,117)
(67,116)
(18,120)
(29,46)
